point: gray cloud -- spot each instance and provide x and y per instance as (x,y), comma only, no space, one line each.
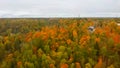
(59,8)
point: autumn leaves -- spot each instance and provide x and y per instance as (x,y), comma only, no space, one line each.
(67,44)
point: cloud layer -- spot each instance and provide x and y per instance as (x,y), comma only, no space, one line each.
(60,8)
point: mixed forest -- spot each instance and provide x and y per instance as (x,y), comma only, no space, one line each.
(59,43)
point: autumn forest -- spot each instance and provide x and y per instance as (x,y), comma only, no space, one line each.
(60,43)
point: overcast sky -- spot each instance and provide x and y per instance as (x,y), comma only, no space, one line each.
(60,8)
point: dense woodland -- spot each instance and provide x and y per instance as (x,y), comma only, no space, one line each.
(59,43)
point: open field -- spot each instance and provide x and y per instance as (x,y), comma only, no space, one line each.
(59,43)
